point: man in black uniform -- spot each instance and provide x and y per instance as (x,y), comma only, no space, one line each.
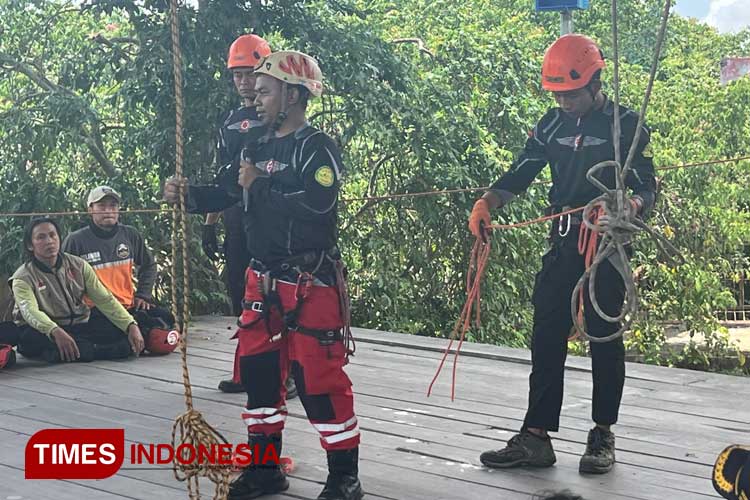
(571,138)
(295,315)
(239,128)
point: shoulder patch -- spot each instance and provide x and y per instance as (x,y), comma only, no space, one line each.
(647,153)
(324,176)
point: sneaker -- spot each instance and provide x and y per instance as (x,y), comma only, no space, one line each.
(600,452)
(231,386)
(523,449)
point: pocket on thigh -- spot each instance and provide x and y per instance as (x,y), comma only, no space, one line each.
(548,260)
(317,368)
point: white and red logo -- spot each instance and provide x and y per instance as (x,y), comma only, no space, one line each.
(100,453)
(173,337)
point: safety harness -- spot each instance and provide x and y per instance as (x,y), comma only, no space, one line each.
(305,266)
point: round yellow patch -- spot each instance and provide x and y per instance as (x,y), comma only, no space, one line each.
(324,176)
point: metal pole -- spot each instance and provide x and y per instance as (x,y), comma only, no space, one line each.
(566,22)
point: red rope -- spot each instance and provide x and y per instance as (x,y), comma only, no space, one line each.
(480,255)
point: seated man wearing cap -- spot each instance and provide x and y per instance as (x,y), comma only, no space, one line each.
(54,321)
(114,250)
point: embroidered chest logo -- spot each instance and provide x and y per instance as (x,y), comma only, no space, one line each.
(123,251)
(244,125)
(580,141)
(271,166)
(324,176)
(41,286)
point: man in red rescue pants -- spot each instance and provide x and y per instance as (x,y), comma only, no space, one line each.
(294,315)
(571,138)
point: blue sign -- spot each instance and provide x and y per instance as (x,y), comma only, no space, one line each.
(547,5)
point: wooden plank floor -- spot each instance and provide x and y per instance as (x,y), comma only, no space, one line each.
(673,422)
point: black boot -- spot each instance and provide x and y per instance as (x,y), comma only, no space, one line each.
(260,479)
(343,481)
(231,386)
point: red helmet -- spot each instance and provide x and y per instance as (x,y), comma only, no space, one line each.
(570,62)
(247,51)
(7,356)
(162,340)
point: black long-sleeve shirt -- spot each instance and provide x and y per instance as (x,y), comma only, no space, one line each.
(571,146)
(294,208)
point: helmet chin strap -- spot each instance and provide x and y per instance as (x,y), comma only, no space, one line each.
(283,112)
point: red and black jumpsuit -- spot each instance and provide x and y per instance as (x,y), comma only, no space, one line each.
(571,146)
(292,318)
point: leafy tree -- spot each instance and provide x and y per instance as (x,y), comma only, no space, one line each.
(422,95)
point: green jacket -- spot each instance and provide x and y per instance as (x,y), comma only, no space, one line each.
(50,297)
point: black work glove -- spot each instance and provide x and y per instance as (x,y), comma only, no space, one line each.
(209,242)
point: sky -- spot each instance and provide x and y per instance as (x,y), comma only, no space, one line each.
(726,15)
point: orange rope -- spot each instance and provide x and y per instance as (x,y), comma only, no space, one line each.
(480,255)
(534,221)
(588,243)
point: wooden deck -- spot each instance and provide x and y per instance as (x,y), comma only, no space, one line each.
(673,422)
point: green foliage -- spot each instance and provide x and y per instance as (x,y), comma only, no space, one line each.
(86,96)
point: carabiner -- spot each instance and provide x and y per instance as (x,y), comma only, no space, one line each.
(560,231)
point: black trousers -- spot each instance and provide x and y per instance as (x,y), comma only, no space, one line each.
(96,339)
(562,266)
(237,256)
(10,334)
(146,318)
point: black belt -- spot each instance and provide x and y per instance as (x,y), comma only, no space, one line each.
(310,262)
(325,337)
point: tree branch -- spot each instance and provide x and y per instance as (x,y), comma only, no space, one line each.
(325,112)
(98,153)
(91,137)
(106,128)
(370,189)
(111,42)
(374,174)
(419,42)
(26,70)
